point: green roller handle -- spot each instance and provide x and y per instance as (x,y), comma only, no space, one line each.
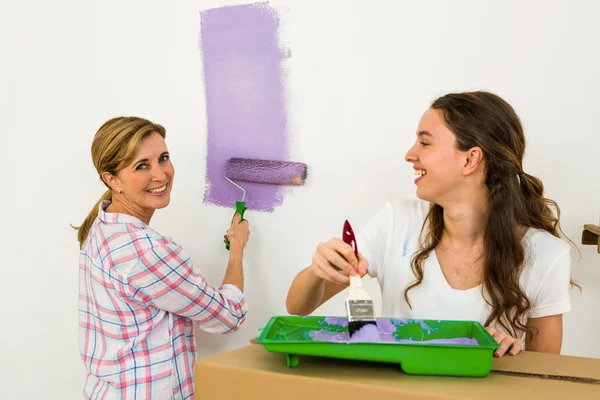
(240,207)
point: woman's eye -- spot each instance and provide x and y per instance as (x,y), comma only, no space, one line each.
(164,158)
(424,143)
(141,167)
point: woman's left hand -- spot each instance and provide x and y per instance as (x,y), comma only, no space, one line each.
(508,344)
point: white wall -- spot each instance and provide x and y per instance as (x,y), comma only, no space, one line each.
(361,74)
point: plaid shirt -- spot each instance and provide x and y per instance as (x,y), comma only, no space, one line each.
(138,297)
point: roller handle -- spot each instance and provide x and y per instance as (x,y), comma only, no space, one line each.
(240,207)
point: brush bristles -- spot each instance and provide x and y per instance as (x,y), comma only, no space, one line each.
(355,326)
(266,171)
(360,313)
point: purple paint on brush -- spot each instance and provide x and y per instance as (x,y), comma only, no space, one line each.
(382,333)
(245,99)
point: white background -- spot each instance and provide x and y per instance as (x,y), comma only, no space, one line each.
(360,76)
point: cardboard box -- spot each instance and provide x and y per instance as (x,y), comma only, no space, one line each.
(591,235)
(254,373)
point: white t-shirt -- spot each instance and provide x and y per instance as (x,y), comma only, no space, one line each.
(390,239)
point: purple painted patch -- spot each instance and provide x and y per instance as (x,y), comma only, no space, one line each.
(245,99)
(383,332)
(336,321)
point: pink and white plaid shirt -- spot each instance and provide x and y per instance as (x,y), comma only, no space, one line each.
(138,298)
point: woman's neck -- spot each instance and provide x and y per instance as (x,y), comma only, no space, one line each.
(124,207)
(465,222)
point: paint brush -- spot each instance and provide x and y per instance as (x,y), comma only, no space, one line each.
(359,305)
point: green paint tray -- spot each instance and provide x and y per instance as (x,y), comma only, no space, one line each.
(294,336)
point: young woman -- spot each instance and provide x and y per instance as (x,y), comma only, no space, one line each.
(481,243)
(139,293)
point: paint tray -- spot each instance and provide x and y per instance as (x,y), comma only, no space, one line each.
(297,336)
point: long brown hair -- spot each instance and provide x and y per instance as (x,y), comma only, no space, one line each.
(113,148)
(516,199)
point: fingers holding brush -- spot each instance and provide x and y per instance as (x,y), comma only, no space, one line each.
(335,261)
(359,266)
(324,270)
(363,265)
(345,250)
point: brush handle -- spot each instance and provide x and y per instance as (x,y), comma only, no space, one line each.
(356,281)
(357,291)
(240,207)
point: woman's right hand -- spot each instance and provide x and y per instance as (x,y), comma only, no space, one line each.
(238,234)
(335,261)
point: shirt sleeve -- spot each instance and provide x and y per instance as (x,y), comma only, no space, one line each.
(372,240)
(553,296)
(164,278)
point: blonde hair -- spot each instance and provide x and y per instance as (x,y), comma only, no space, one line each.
(113,148)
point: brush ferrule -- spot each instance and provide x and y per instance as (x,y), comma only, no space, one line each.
(360,310)
(359,305)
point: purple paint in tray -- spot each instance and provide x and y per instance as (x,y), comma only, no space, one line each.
(245,99)
(382,333)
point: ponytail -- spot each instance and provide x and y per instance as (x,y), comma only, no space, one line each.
(85,227)
(539,210)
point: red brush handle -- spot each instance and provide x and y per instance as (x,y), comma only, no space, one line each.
(348,237)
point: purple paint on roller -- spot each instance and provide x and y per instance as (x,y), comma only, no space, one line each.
(245,99)
(266,171)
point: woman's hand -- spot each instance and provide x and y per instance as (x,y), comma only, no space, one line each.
(334,261)
(508,344)
(238,234)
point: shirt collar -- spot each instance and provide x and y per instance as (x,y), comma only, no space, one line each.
(117,218)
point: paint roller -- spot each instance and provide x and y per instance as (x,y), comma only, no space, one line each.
(270,172)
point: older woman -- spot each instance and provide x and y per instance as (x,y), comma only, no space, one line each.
(139,293)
